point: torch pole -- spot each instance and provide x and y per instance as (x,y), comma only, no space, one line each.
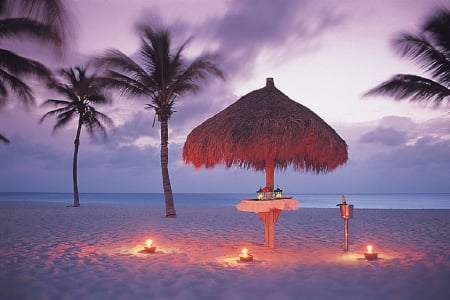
(346,214)
(346,234)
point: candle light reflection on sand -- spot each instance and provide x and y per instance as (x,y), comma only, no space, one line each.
(355,256)
(235,260)
(278,256)
(137,250)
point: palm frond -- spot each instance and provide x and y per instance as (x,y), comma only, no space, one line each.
(197,73)
(64,118)
(104,118)
(431,49)
(98,98)
(3,94)
(19,65)
(412,87)
(115,59)
(125,84)
(69,76)
(53,13)
(4,139)
(151,64)
(57,112)
(56,103)
(94,121)
(438,29)
(67,91)
(27,28)
(157,58)
(18,87)
(419,49)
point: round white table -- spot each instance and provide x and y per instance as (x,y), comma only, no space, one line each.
(268,211)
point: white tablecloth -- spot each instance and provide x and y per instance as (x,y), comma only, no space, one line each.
(257,206)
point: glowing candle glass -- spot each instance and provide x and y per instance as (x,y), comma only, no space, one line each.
(150,248)
(370,255)
(260,194)
(245,256)
(278,193)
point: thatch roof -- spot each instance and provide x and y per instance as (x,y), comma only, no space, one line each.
(266,125)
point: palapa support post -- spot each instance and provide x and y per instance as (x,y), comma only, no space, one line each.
(270,171)
(269,219)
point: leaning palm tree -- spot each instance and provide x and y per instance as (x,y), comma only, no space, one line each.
(42,20)
(162,75)
(431,49)
(83,92)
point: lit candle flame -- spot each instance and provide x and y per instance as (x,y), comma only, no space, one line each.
(369,248)
(245,251)
(149,243)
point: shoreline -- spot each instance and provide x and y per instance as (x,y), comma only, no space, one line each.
(187,206)
(369,201)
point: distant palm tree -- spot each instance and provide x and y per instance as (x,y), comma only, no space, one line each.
(431,49)
(162,75)
(82,92)
(43,20)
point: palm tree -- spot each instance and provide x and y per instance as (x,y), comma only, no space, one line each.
(82,92)
(43,20)
(162,75)
(431,49)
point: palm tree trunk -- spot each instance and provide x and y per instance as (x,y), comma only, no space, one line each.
(168,196)
(76,198)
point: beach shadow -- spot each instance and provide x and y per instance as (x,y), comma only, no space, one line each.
(371,260)
(149,253)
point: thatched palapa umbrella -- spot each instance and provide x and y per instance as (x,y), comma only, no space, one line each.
(265,130)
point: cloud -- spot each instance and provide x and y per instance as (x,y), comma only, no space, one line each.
(393,131)
(250,28)
(139,124)
(193,109)
(427,145)
(385,136)
(23,154)
(427,152)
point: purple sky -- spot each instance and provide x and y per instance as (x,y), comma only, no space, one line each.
(324,56)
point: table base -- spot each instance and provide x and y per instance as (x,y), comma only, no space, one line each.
(269,219)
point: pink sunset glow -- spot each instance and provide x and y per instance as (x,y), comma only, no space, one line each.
(324,56)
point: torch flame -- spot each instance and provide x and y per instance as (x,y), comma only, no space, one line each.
(245,251)
(369,248)
(149,243)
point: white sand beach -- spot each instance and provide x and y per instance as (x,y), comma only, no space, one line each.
(49,251)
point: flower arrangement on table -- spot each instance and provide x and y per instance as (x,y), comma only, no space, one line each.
(267,193)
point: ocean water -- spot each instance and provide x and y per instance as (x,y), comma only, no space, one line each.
(369,201)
